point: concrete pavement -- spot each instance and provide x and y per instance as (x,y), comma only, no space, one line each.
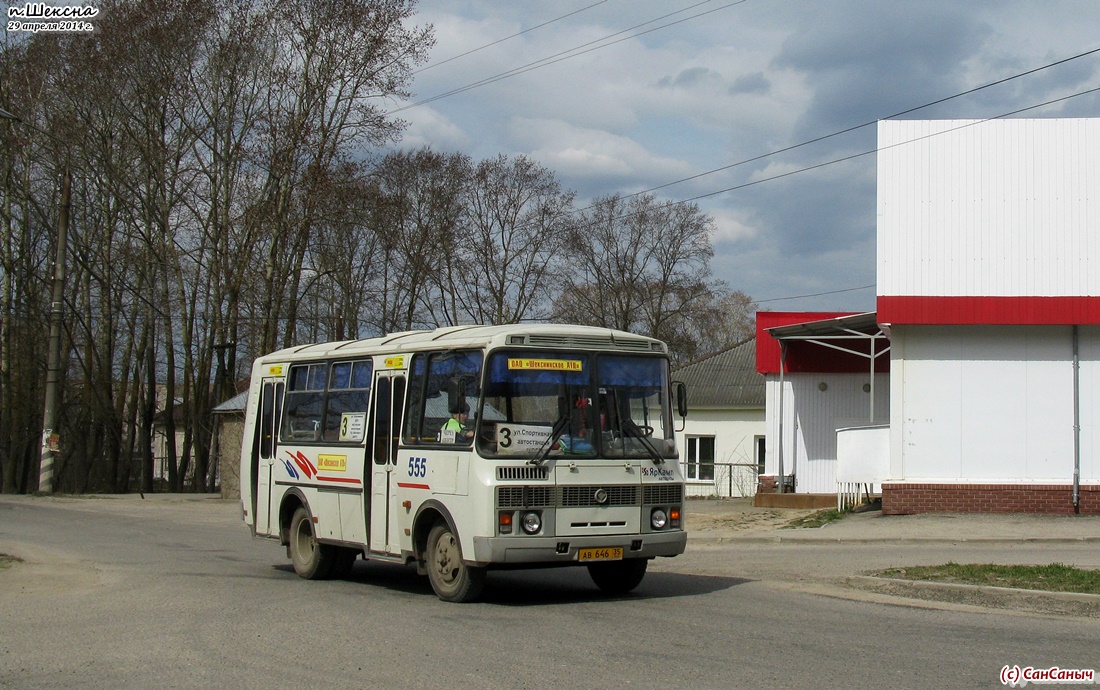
(737,519)
(737,522)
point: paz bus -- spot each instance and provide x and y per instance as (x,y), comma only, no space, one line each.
(465,449)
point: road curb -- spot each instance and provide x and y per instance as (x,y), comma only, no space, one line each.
(877,582)
(815,539)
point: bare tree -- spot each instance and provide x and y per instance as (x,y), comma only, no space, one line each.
(509,245)
(212,140)
(416,215)
(639,265)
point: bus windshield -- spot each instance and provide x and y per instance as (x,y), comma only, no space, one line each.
(540,404)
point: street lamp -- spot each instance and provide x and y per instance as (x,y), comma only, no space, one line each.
(50,442)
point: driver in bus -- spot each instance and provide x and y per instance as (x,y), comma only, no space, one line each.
(457,424)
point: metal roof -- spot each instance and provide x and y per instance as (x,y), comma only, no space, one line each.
(726,378)
(833,333)
(234,404)
(854,326)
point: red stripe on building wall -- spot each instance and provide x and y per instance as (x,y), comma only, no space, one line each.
(1016,311)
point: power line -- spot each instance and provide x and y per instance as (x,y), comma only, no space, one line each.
(865,124)
(851,129)
(876,150)
(571,53)
(816,294)
(846,131)
(507,38)
(865,153)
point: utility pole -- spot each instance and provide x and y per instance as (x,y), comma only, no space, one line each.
(50,440)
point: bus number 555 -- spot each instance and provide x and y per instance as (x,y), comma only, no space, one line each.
(418,467)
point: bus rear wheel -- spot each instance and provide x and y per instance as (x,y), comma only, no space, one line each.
(311,560)
(451,578)
(618,577)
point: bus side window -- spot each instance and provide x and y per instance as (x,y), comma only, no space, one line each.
(271,403)
(305,402)
(382,416)
(349,389)
(414,408)
(433,379)
(267,420)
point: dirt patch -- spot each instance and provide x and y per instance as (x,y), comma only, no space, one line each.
(40,571)
(737,515)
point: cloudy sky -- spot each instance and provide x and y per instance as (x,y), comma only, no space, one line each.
(630,95)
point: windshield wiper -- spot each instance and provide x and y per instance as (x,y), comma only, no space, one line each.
(630,428)
(555,433)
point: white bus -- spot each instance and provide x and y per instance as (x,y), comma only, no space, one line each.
(468,448)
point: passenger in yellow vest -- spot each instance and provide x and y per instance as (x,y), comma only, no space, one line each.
(457,424)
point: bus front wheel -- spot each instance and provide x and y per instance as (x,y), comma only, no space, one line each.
(451,578)
(312,560)
(618,577)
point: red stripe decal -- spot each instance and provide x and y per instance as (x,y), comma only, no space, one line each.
(345,480)
(413,486)
(303,466)
(306,460)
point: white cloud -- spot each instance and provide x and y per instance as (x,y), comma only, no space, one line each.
(735,84)
(430,128)
(729,227)
(592,157)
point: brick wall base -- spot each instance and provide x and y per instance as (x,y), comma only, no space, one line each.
(904,499)
(767,484)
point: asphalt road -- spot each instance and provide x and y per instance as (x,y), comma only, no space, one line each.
(168,592)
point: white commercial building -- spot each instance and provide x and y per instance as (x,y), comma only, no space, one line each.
(989,296)
(989,284)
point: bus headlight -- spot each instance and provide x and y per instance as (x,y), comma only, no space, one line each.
(658,518)
(532,523)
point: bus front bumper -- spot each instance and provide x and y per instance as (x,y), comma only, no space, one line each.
(561,550)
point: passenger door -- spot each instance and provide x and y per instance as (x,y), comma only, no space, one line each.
(383,434)
(264,451)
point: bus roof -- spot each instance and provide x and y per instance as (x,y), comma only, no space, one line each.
(523,335)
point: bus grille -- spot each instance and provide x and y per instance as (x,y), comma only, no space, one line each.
(525,496)
(569,496)
(525,474)
(660,494)
(583,496)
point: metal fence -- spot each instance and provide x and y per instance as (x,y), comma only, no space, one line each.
(729,479)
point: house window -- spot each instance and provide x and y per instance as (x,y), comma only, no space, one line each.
(758,443)
(700,457)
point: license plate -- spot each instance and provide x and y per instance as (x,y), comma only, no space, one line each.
(609,553)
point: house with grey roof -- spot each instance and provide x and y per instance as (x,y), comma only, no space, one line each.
(226,449)
(722,444)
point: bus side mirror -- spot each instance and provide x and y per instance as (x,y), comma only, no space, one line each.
(681,399)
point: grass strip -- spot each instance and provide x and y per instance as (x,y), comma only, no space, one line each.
(1056,577)
(818,519)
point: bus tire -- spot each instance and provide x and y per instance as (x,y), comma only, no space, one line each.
(312,560)
(618,577)
(451,578)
